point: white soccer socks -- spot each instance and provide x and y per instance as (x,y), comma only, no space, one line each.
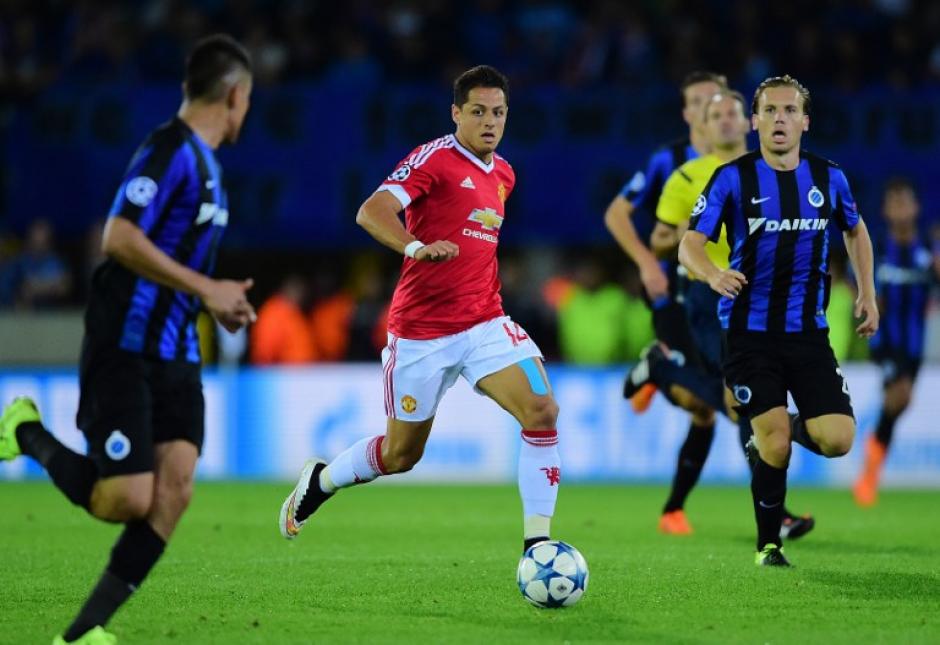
(358,464)
(539,477)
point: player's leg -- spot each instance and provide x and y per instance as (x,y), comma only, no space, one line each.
(523,390)
(756,378)
(691,460)
(416,376)
(897,397)
(22,432)
(144,538)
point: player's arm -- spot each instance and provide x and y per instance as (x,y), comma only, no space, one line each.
(124,241)
(693,257)
(378,215)
(861,256)
(672,215)
(859,248)
(618,219)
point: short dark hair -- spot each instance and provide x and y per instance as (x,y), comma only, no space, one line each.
(898,183)
(211,61)
(479,76)
(782,81)
(700,76)
(726,93)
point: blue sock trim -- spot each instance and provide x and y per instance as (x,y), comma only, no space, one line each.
(661,302)
(534,374)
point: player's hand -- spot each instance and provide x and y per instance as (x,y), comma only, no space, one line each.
(867,310)
(727,282)
(227,301)
(654,280)
(440,251)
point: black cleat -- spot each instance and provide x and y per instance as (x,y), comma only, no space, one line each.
(795,527)
(641,373)
(771,556)
(306,498)
(528,543)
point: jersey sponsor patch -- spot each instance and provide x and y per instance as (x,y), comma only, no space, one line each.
(117,446)
(140,191)
(401,173)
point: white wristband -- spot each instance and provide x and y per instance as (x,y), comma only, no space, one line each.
(413,247)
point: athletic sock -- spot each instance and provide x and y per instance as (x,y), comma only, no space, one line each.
(358,464)
(132,558)
(539,477)
(769,491)
(800,434)
(885,430)
(74,474)
(692,458)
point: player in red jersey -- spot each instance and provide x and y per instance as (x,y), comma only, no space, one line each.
(446,318)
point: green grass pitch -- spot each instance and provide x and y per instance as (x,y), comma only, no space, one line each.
(410,564)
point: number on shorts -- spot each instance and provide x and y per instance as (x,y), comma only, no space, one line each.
(516,336)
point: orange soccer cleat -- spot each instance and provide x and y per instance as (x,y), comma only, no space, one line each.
(865,489)
(675,523)
(643,399)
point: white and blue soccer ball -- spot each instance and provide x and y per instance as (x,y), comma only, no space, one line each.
(552,574)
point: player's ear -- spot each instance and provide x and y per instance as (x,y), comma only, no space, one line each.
(805,123)
(455,114)
(754,122)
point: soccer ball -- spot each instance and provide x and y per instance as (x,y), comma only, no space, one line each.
(552,574)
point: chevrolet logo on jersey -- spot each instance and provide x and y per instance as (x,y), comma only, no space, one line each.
(488,218)
(773,226)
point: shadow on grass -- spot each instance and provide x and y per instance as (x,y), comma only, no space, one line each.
(878,585)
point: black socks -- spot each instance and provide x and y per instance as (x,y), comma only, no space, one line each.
(132,558)
(692,458)
(73,474)
(769,490)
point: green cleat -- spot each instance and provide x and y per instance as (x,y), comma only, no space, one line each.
(771,556)
(96,636)
(21,410)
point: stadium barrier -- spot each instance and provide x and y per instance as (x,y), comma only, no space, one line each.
(263,424)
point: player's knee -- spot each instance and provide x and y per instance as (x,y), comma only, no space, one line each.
(703,416)
(774,448)
(838,441)
(540,412)
(176,492)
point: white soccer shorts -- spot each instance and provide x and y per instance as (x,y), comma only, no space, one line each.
(417,373)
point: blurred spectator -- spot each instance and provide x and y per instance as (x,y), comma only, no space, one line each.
(37,278)
(281,335)
(330,317)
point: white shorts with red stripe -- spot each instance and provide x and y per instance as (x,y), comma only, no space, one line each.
(419,372)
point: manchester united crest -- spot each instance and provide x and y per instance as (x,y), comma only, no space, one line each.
(408,403)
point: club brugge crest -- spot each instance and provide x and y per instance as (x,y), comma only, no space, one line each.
(742,394)
(117,446)
(815,197)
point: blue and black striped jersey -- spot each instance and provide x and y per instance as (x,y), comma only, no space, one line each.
(644,188)
(172,190)
(904,276)
(779,238)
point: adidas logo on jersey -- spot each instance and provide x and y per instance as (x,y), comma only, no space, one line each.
(773,226)
(468,183)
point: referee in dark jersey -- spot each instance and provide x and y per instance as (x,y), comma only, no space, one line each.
(906,270)
(141,406)
(776,205)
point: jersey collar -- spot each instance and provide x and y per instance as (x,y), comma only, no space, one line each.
(485,167)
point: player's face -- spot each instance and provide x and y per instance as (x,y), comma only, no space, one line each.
(901,206)
(239,101)
(725,123)
(696,96)
(780,120)
(481,120)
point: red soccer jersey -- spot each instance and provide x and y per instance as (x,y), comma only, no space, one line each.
(449,194)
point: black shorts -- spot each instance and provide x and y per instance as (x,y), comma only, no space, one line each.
(128,403)
(761,367)
(896,364)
